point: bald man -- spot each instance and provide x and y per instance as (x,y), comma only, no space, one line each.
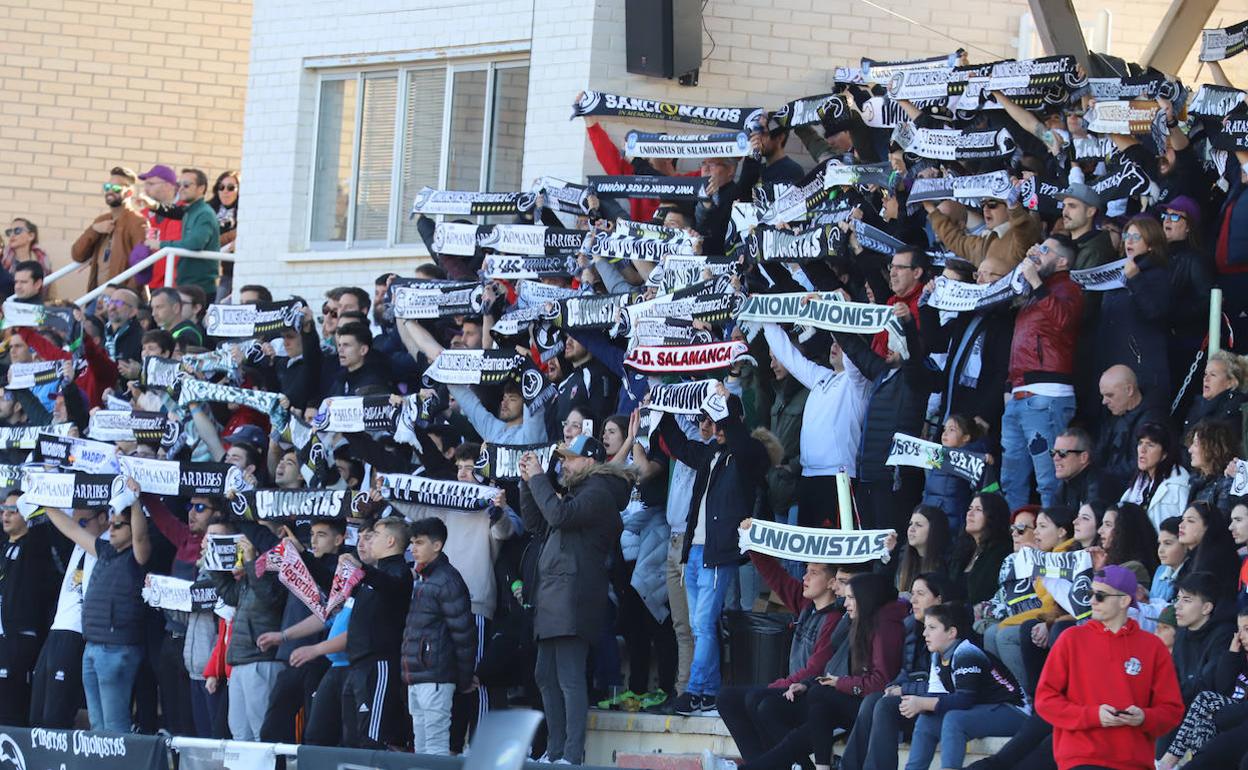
(123,337)
(1127,411)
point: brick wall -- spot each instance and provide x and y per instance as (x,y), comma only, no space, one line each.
(758,52)
(89,84)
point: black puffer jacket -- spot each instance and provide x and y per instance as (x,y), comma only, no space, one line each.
(897,401)
(1115,447)
(1225,406)
(439,643)
(579,531)
(259,602)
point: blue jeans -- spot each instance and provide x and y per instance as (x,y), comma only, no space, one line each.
(953,728)
(1028,430)
(108,672)
(705,588)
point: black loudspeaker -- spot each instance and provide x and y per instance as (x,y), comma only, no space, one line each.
(663,38)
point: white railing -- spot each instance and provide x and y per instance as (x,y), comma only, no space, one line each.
(167,254)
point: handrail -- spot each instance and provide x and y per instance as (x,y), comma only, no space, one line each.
(167,253)
(186,742)
(63,271)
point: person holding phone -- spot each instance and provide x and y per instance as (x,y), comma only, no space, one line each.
(1109,688)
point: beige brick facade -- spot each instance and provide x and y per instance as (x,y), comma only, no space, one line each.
(89,84)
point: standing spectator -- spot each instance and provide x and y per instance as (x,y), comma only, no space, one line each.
(28,282)
(577,533)
(224,202)
(167,313)
(439,640)
(200,232)
(123,337)
(714,211)
(108,240)
(729,473)
(354,341)
(258,601)
(27,587)
(22,245)
(56,687)
(1041,399)
(112,612)
(373,696)
(164,223)
(1109,688)
(1134,322)
(1191,279)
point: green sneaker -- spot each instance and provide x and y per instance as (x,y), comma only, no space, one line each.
(608,704)
(653,698)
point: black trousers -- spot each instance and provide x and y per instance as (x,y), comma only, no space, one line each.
(326,725)
(56,691)
(1227,749)
(642,635)
(817,504)
(1031,748)
(882,507)
(374,700)
(18,655)
(873,740)
(828,710)
(292,691)
(759,717)
(175,687)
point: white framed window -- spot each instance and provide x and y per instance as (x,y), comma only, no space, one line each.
(382,134)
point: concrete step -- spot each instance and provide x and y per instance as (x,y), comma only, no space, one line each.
(656,742)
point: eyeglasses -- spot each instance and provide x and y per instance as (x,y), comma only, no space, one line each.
(12,231)
(1132,237)
(1021,529)
(226,187)
(1043,248)
(1062,453)
(1100,596)
(1173,216)
(991,204)
(109,187)
(572,423)
(118,303)
(900,267)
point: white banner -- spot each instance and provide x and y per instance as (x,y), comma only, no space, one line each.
(810,544)
(692,398)
(691,358)
(1239,486)
(722,145)
(1104,278)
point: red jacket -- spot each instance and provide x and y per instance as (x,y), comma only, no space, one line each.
(217,667)
(100,374)
(879,343)
(1090,666)
(1045,332)
(789,590)
(886,649)
(614,163)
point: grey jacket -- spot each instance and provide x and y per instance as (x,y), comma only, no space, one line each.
(259,602)
(579,531)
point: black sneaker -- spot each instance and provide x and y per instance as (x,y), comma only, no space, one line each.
(688,704)
(706,706)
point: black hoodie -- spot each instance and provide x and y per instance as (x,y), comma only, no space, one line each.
(1197,653)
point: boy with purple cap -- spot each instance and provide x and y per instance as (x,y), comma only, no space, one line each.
(1109,688)
(164,220)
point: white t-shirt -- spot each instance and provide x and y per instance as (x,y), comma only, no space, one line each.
(73,588)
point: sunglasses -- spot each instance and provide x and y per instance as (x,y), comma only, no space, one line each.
(226,187)
(12,231)
(1022,528)
(1063,453)
(109,187)
(991,204)
(1100,596)
(201,507)
(1173,216)
(8,509)
(185,185)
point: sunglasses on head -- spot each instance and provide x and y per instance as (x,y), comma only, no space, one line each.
(109,187)
(227,187)
(12,231)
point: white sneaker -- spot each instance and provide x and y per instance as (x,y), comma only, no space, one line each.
(543,759)
(561,761)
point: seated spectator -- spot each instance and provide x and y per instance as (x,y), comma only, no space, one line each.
(1171,556)
(1211,444)
(1116,443)
(1161,485)
(928,543)
(1074,465)
(978,697)
(1205,631)
(979,551)
(22,245)
(1203,531)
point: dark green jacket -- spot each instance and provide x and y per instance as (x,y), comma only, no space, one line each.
(200,232)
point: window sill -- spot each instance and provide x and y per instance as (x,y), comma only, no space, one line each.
(418,252)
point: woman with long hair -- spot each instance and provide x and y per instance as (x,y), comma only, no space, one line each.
(875,731)
(1205,533)
(21,244)
(1212,445)
(1133,325)
(1088,521)
(1127,537)
(927,545)
(224,202)
(867,661)
(1161,483)
(984,544)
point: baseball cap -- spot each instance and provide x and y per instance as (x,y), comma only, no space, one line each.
(161,172)
(1119,578)
(584,446)
(1167,617)
(1085,194)
(247,434)
(1185,206)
